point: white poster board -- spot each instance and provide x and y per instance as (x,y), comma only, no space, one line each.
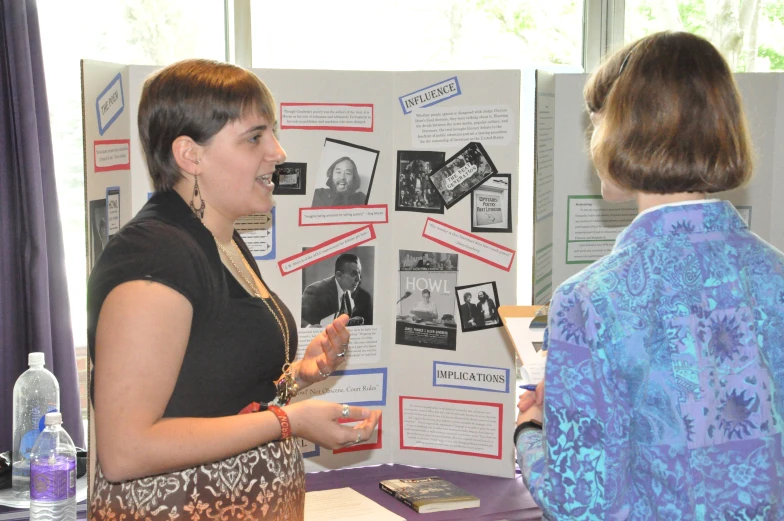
(412,358)
(574,226)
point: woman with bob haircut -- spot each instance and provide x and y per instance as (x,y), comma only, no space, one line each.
(185,335)
(663,393)
(343,183)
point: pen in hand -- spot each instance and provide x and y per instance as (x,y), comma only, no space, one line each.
(528,387)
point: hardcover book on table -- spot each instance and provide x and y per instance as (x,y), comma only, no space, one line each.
(430,494)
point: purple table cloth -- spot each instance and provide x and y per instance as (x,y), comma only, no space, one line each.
(500,498)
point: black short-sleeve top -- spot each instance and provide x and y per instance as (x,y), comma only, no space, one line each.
(235,349)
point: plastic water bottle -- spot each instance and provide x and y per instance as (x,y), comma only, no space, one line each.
(36,392)
(53,473)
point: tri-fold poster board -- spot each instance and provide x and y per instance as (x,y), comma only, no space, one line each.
(432,220)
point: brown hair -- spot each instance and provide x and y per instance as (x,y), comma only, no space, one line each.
(673,119)
(194,98)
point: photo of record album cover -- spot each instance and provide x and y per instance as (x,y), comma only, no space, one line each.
(290,179)
(415,192)
(425,314)
(462,173)
(478,305)
(491,205)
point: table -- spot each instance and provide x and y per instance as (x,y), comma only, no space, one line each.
(501,498)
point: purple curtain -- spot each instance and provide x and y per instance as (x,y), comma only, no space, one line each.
(34,311)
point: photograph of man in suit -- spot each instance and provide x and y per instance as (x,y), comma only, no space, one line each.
(468,311)
(338,294)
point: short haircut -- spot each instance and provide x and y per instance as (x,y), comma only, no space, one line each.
(467,294)
(673,120)
(425,291)
(345,259)
(194,98)
(355,180)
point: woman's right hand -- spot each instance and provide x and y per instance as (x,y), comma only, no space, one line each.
(317,421)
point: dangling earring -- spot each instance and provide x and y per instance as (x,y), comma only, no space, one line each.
(196,194)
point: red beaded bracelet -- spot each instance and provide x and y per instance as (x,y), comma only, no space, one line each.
(283,418)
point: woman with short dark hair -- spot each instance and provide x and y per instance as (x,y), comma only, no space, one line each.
(183,332)
(665,373)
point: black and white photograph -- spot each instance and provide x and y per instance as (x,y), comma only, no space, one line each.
(491,205)
(338,285)
(478,304)
(425,314)
(415,192)
(290,179)
(99,229)
(345,174)
(462,173)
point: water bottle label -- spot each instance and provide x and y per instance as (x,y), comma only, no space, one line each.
(27,442)
(53,481)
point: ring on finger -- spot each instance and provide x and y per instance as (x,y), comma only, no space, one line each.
(341,354)
(324,375)
(359,437)
(345,411)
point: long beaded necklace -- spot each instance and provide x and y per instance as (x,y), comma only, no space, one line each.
(286,386)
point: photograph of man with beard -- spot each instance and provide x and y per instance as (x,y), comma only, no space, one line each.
(345,174)
(338,294)
(486,310)
(342,185)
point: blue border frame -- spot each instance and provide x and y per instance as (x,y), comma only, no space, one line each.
(439,100)
(102,128)
(506,370)
(314,453)
(382,370)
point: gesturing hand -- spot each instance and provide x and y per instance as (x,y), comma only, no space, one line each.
(317,421)
(326,352)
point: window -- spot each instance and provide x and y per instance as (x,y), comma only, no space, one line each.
(121,31)
(416,35)
(749,33)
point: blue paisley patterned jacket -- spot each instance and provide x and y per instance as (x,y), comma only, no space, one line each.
(665,377)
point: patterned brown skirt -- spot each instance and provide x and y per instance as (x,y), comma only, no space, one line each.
(265,483)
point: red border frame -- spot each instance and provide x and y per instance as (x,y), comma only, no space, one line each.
(124,166)
(327,243)
(468,253)
(384,206)
(360,446)
(498,406)
(349,129)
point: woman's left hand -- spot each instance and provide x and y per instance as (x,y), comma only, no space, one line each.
(532,413)
(326,352)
